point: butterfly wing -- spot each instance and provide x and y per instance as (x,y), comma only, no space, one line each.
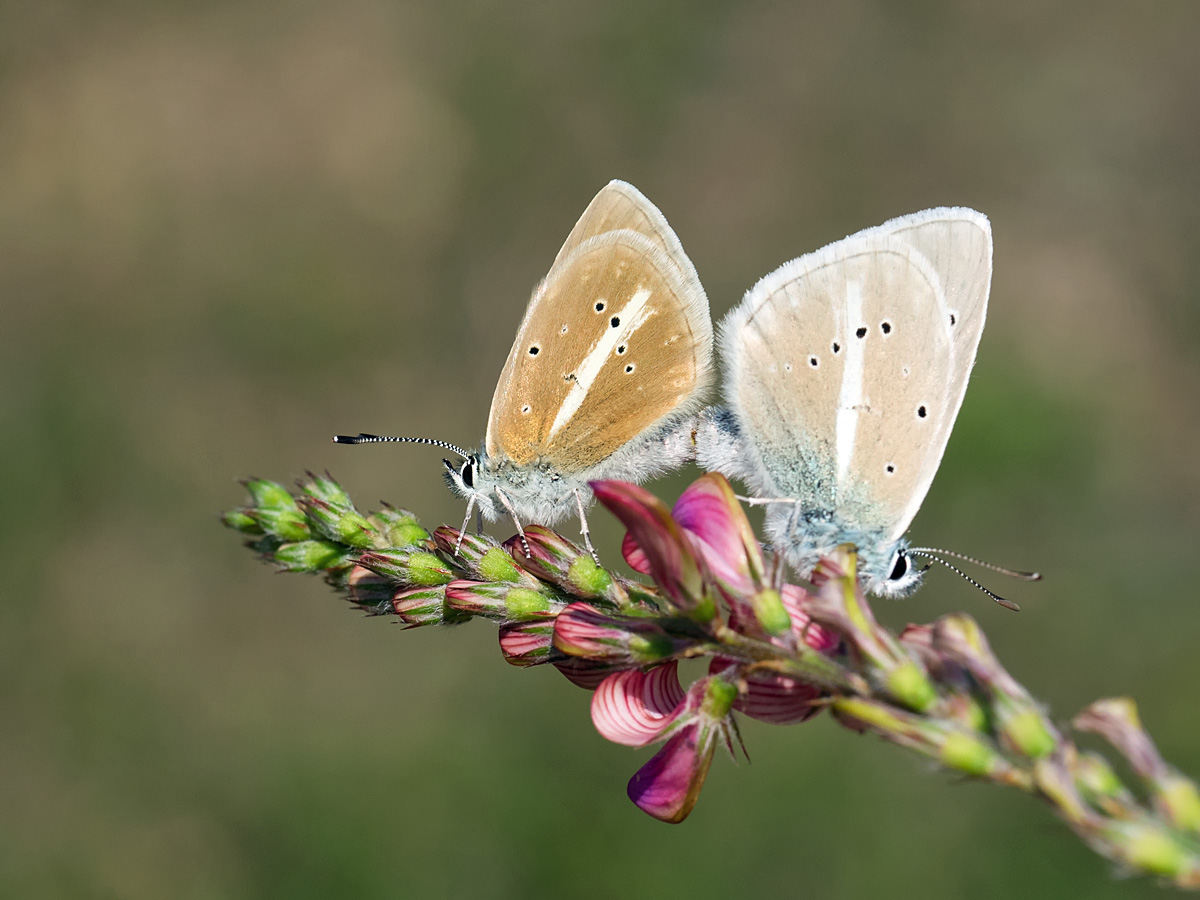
(616,339)
(621,207)
(845,372)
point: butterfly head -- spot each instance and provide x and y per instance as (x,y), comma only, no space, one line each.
(901,575)
(468,479)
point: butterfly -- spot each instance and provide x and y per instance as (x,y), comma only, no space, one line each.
(844,371)
(609,367)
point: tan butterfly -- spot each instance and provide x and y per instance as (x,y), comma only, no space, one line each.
(610,364)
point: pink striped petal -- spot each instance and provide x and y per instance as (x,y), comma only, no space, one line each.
(635,707)
(777,700)
(588,674)
(795,599)
(634,556)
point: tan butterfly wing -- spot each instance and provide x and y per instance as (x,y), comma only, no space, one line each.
(846,373)
(620,206)
(616,339)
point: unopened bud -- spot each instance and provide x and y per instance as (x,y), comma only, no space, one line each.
(310,556)
(408,566)
(399,527)
(500,601)
(325,488)
(481,556)
(557,560)
(241,520)
(426,606)
(338,522)
(288,524)
(582,630)
(269,494)
(529,643)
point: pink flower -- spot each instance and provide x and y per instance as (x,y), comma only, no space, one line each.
(637,708)
(667,554)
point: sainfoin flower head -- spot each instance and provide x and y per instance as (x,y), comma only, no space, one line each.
(703,551)
(777,652)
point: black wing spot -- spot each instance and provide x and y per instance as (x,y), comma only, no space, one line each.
(891,470)
(614,321)
(813,361)
(905,371)
(621,349)
(526,408)
(861,333)
(629,368)
(837,348)
(886,327)
(599,306)
(953,319)
(535,350)
(921,411)
(564,330)
(787,367)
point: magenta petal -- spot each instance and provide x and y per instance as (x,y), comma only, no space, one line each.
(634,556)
(668,786)
(669,555)
(709,509)
(635,707)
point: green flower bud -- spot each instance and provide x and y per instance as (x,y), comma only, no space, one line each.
(269,494)
(310,556)
(399,527)
(240,520)
(325,488)
(408,566)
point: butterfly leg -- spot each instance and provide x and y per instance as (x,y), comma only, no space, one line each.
(513,513)
(583,528)
(463,530)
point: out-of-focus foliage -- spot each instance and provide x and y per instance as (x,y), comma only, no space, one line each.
(228,231)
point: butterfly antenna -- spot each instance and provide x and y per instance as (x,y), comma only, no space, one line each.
(1007,604)
(377,439)
(1024,576)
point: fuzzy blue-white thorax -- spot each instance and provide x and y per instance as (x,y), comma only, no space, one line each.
(805,524)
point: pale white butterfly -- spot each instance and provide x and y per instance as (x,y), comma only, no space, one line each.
(844,373)
(609,367)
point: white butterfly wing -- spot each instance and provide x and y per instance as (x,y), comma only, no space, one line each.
(845,372)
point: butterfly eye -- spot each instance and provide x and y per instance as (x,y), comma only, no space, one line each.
(899,568)
(467,473)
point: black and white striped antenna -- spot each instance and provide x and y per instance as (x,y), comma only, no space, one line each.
(928,553)
(362,438)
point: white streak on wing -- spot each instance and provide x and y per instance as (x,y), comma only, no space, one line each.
(851,396)
(632,316)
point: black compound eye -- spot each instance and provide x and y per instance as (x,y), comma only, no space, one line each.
(467,473)
(900,569)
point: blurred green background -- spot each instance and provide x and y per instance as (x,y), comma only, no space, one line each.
(230,230)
